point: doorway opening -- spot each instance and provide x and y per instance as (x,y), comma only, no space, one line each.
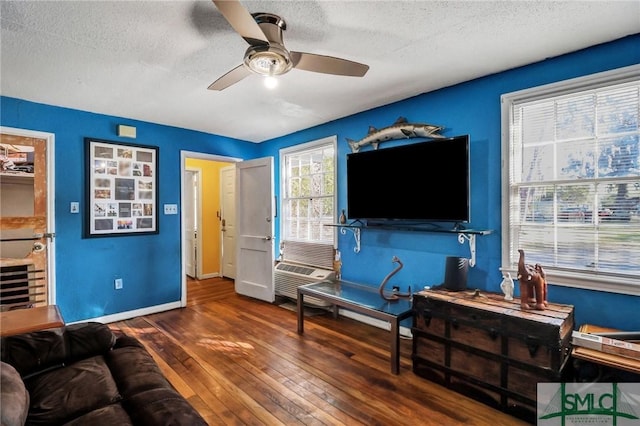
(202,218)
(192,221)
(27,218)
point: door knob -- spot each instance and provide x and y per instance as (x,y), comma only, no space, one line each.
(38,247)
(267,238)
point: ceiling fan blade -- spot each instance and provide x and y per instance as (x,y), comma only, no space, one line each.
(232,77)
(241,21)
(327,64)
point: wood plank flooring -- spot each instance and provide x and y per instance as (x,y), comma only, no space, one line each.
(240,361)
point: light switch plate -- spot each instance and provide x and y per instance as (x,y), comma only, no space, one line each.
(170,209)
(74,207)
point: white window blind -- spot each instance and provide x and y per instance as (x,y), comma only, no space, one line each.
(308,179)
(572,181)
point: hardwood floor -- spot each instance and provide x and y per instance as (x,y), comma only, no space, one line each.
(240,361)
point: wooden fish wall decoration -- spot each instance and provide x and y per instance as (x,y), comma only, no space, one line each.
(401,129)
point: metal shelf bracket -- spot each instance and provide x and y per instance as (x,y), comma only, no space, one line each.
(356,236)
(472,246)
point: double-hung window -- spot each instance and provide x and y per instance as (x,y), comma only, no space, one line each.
(571,180)
(308,191)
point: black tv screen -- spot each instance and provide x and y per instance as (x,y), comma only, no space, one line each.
(424,181)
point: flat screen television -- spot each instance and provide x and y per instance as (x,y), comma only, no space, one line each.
(417,182)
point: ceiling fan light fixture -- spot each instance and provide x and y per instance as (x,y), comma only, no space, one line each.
(270,82)
(268,60)
(267,55)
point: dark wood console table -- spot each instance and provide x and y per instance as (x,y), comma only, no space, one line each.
(362,299)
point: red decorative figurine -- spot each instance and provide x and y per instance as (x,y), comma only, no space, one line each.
(533,285)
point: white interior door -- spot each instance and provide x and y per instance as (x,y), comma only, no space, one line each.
(228,207)
(254,226)
(191,223)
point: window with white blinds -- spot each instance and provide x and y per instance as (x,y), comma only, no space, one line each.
(308,191)
(571,180)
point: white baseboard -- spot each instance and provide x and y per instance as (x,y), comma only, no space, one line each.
(404,331)
(121,316)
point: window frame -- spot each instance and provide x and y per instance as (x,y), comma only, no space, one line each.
(584,280)
(299,149)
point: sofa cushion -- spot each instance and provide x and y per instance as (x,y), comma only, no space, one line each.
(134,370)
(148,396)
(14,398)
(161,406)
(32,353)
(64,394)
(88,339)
(112,414)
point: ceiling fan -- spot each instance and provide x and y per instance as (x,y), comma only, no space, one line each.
(267,55)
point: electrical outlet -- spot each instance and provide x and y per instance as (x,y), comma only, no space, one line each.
(118,283)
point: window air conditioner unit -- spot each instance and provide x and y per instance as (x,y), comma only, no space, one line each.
(289,276)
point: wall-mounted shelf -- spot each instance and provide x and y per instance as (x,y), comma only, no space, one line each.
(16,178)
(463,234)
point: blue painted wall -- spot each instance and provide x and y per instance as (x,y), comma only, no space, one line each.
(470,108)
(86,267)
(150,265)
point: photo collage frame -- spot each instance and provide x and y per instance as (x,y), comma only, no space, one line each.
(122,188)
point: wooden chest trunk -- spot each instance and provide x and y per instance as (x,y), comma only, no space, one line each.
(488,348)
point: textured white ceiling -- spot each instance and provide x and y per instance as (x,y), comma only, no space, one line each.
(153,60)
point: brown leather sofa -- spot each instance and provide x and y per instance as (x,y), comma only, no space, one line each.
(83,374)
